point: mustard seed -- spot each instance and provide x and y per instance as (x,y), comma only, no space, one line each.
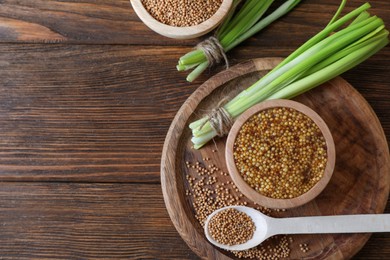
(206,198)
(304,248)
(231,227)
(280,152)
(181,13)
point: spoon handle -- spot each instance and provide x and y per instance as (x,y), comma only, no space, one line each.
(367,223)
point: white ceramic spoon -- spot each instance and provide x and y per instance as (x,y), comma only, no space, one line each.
(267,226)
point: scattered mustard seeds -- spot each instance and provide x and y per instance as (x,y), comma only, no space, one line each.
(181,13)
(304,248)
(210,188)
(231,227)
(280,251)
(280,152)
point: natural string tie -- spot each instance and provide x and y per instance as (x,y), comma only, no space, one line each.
(213,51)
(220,120)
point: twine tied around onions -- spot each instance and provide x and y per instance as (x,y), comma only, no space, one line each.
(213,51)
(220,120)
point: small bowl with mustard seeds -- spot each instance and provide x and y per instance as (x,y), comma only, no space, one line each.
(280,154)
(181,19)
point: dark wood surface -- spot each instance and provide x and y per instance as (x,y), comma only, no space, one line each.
(87,94)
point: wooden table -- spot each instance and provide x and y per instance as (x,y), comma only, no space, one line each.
(87,93)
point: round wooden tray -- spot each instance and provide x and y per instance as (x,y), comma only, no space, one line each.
(360,183)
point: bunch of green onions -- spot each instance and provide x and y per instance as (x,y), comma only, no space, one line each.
(236,28)
(323,57)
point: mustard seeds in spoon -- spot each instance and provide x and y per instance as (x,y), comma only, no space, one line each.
(231,227)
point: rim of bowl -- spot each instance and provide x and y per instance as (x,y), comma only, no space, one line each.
(175,32)
(251,193)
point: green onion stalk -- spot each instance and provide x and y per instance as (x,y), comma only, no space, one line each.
(326,55)
(237,27)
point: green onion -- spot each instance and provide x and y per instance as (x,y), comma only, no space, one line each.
(237,27)
(321,58)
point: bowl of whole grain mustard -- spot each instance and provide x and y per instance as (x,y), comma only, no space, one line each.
(181,19)
(280,154)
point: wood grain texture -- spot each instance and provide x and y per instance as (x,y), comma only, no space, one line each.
(86,221)
(114,22)
(90,22)
(360,183)
(87,94)
(80,112)
(90,221)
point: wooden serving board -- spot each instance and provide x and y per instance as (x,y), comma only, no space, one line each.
(360,183)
